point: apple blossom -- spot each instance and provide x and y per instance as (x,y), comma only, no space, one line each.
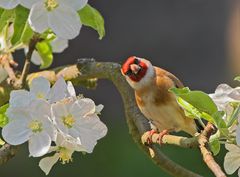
(33,125)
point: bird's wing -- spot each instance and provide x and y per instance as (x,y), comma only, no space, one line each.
(176,81)
(161,73)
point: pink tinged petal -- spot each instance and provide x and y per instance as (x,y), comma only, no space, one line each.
(36,58)
(82,107)
(39,144)
(47,163)
(9,4)
(231,162)
(65,22)
(75,4)
(16,132)
(58,91)
(28,3)
(19,98)
(38,17)
(59,45)
(40,87)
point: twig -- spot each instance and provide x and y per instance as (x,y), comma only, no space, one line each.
(5,62)
(31,47)
(206,153)
(7,152)
(181,141)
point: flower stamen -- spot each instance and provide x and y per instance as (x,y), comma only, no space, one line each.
(51,4)
(35,126)
(68,121)
(65,155)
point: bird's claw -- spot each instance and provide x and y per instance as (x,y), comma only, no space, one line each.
(160,136)
(147,137)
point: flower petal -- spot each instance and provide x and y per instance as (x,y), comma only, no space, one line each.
(28,3)
(40,87)
(59,45)
(65,22)
(90,130)
(16,132)
(9,4)
(38,17)
(19,98)
(71,90)
(47,163)
(82,107)
(39,144)
(75,4)
(58,91)
(36,58)
(232,159)
(99,108)
(238,135)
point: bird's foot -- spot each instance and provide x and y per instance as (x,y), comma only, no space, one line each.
(147,137)
(161,134)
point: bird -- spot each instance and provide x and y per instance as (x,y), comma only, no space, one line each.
(151,85)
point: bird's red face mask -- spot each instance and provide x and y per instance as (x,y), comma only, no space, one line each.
(134,68)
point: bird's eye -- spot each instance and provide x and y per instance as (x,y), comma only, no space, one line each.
(136,61)
(128,73)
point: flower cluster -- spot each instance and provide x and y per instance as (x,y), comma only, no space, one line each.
(59,15)
(53,120)
(226,98)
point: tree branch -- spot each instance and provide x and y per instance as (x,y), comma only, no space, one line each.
(206,153)
(86,71)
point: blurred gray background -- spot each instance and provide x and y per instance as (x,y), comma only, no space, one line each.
(186,37)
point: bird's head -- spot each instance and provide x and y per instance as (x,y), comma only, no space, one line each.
(138,72)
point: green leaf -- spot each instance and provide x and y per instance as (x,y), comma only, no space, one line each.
(20,25)
(215,147)
(234,115)
(197,99)
(92,18)
(192,112)
(7,16)
(2,142)
(1,11)
(27,34)
(3,116)
(220,123)
(237,78)
(45,51)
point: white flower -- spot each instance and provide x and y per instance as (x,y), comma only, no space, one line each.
(78,119)
(232,159)
(40,89)
(225,94)
(59,15)
(10,4)
(65,147)
(58,45)
(33,125)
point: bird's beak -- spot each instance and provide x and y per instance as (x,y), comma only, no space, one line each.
(135,68)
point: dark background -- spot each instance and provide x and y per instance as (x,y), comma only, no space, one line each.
(186,37)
